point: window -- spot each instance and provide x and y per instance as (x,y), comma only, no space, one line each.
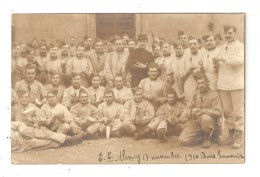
(108,25)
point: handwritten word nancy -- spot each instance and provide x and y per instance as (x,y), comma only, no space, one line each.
(123,156)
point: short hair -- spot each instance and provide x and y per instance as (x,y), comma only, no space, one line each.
(131,40)
(205,37)
(163,43)
(80,44)
(74,74)
(118,38)
(42,44)
(126,35)
(193,38)
(93,75)
(30,66)
(201,76)
(97,40)
(82,90)
(86,37)
(177,44)
(72,37)
(228,27)
(21,92)
(109,90)
(53,45)
(153,65)
(155,45)
(53,73)
(119,75)
(171,91)
(136,89)
(53,91)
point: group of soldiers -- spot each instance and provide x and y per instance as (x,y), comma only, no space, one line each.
(64,93)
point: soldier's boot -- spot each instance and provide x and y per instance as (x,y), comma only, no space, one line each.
(231,137)
(238,143)
(73,140)
(207,139)
(161,134)
(142,134)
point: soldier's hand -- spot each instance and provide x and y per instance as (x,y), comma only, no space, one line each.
(195,112)
(128,84)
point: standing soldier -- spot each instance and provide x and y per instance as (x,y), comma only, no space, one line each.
(231,85)
(208,62)
(116,63)
(97,59)
(165,62)
(80,65)
(138,61)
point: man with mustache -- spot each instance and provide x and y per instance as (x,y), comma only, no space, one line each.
(71,94)
(230,84)
(191,65)
(80,65)
(208,62)
(116,63)
(97,58)
(165,62)
(41,61)
(37,92)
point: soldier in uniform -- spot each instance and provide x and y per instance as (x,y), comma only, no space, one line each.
(138,61)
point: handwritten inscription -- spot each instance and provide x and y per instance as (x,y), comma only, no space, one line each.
(130,157)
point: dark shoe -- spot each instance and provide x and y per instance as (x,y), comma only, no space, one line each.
(206,143)
(139,136)
(231,137)
(238,143)
(72,140)
(116,134)
(161,134)
(207,140)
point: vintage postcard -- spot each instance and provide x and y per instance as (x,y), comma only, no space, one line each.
(127,88)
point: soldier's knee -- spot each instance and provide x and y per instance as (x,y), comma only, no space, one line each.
(206,123)
(184,140)
(64,128)
(128,127)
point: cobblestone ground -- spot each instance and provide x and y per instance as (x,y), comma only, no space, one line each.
(126,150)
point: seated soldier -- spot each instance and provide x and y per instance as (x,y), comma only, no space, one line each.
(87,116)
(139,115)
(154,89)
(26,112)
(96,91)
(55,84)
(37,92)
(58,118)
(71,94)
(112,114)
(24,138)
(122,93)
(202,112)
(169,114)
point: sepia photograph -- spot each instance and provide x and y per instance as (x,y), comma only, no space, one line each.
(127,88)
